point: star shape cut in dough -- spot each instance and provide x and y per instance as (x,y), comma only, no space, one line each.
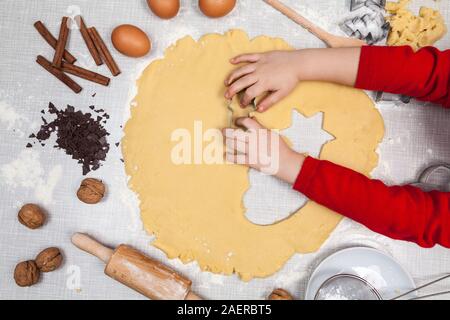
(269,200)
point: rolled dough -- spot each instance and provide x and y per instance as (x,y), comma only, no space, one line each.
(196,211)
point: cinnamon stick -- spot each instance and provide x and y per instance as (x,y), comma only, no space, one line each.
(59,74)
(87,39)
(61,44)
(51,40)
(103,50)
(84,73)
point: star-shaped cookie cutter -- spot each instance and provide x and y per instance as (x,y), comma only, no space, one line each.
(231,111)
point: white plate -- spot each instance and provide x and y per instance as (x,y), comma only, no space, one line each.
(380,270)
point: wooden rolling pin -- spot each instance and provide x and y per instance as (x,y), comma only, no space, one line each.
(330,39)
(137,271)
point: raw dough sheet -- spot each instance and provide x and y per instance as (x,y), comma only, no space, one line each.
(416,136)
(196,210)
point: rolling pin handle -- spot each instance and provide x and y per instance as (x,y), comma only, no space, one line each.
(86,243)
(192,296)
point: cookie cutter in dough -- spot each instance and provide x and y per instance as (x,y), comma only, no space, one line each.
(435,178)
(231,110)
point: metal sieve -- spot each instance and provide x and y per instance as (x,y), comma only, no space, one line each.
(435,178)
(347,287)
(352,287)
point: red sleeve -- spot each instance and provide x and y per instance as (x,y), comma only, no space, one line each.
(404,213)
(424,75)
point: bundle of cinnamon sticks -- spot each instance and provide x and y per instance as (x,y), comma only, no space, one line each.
(63,61)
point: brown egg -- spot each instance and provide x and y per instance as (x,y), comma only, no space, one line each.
(131,41)
(165,9)
(216,8)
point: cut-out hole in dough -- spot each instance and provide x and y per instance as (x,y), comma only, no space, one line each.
(180,204)
(269,200)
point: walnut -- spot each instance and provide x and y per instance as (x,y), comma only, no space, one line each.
(49,259)
(31,216)
(91,191)
(26,273)
(280,294)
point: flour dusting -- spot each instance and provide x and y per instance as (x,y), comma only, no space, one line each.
(130,200)
(11,119)
(44,191)
(26,171)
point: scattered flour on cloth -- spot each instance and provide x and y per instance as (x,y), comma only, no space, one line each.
(10,119)
(27,172)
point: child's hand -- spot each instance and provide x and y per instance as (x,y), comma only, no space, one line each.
(274,73)
(262,149)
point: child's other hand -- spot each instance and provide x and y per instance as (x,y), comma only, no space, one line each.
(274,73)
(262,149)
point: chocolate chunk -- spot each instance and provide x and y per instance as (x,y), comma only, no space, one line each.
(52,108)
(29,145)
(79,134)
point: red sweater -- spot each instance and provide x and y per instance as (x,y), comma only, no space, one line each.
(404,213)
